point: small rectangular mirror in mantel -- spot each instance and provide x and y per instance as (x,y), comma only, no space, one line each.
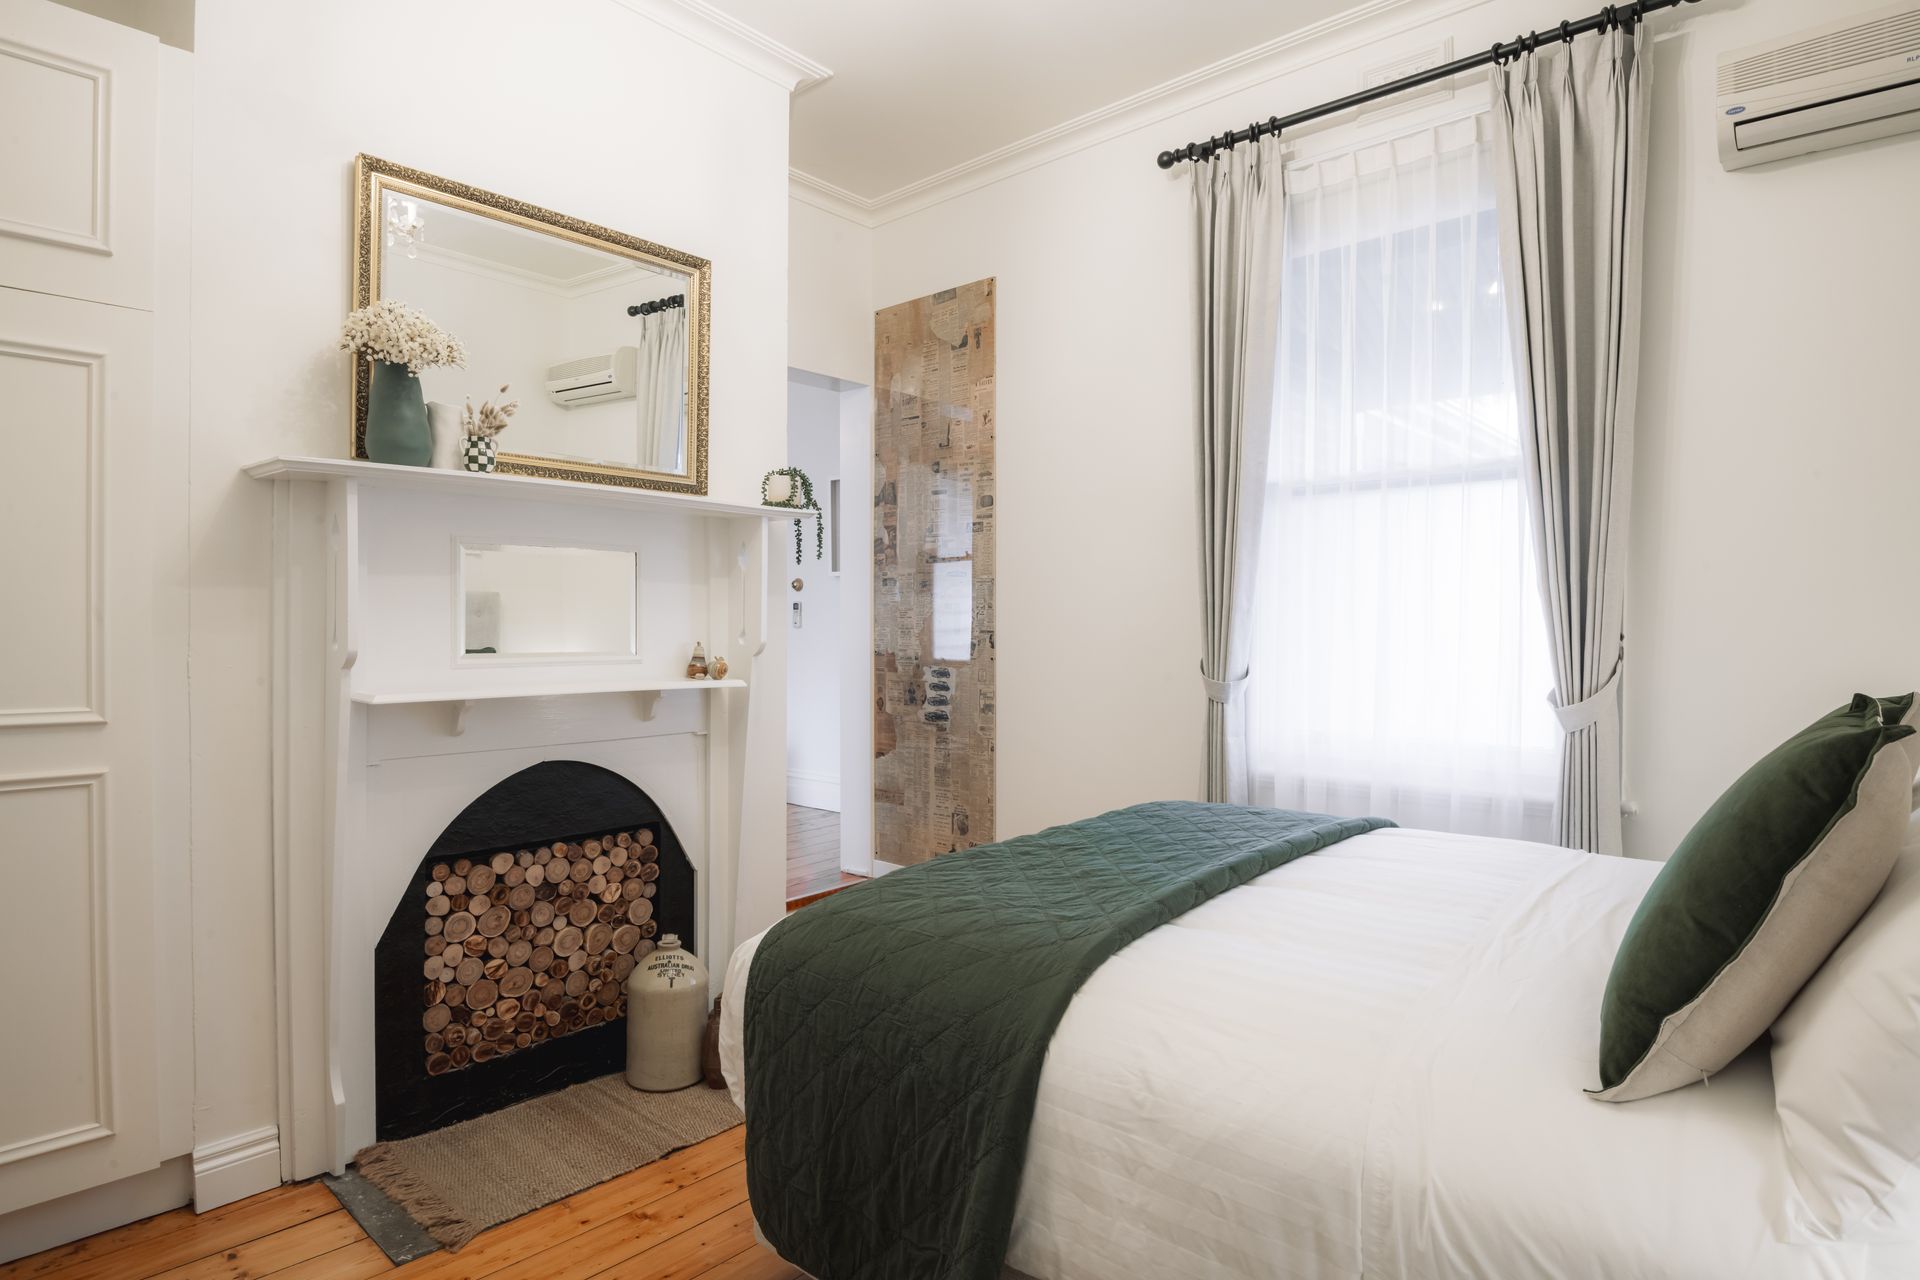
(535,603)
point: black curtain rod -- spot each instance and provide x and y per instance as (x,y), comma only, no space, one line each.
(1624,15)
(660,304)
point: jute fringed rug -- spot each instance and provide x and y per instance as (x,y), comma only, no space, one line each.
(458,1181)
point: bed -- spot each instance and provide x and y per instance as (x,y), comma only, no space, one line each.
(1371,1062)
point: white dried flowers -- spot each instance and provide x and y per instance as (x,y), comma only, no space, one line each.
(489,419)
(396,333)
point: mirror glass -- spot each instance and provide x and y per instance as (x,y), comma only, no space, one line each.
(596,334)
(545,602)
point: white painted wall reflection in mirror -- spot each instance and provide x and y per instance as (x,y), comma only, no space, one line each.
(592,344)
(539,603)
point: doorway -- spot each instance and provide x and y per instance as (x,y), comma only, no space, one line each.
(829,639)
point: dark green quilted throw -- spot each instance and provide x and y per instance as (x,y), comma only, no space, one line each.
(895,1032)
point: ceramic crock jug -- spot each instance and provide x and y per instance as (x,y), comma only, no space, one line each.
(666,1018)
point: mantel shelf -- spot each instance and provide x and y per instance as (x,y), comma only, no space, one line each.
(497,487)
(556,689)
(458,701)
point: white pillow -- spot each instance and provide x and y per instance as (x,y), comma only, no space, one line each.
(1846,1076)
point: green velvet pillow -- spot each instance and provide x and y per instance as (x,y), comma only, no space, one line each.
(1757,895)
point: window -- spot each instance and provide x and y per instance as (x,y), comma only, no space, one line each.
(1400,664)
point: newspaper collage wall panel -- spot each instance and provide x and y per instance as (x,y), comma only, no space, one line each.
(933,571)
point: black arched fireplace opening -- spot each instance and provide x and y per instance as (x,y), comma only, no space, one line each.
(501,974)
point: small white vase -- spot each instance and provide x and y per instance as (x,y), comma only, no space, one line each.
(444,420)
(779,489)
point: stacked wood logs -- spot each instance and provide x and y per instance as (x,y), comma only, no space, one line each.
(533,945)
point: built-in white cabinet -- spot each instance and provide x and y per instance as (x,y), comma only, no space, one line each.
(77,201)
(81,1102)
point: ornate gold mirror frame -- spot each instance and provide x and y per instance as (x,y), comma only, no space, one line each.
(372,177)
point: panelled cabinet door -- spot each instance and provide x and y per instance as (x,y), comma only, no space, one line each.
(79,1104)
(77,95)
(78,1086)
(75,789)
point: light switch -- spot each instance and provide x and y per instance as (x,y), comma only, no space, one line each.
(796,615)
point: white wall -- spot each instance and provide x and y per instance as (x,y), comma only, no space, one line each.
(1778,444)
(1097,605)
(856,629)
(830,304)
(1776,430)
(286,95)
(813,648)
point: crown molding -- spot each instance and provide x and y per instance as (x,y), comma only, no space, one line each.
(840,202)
(618,275)
(735,41)
(1365,24)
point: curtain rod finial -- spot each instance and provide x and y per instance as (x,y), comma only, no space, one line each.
(1166,159)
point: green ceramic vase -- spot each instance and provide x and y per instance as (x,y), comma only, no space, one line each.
(397,429)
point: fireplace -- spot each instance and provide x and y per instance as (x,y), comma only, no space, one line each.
(501,973)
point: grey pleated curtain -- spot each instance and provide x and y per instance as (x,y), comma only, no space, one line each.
(1239,206)
(662,379)
(1570,139)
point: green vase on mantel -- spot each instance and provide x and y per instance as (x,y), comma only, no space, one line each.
(397,430)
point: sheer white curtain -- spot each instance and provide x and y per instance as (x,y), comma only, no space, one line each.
(1400,659)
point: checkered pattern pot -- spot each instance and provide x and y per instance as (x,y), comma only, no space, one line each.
(478,453)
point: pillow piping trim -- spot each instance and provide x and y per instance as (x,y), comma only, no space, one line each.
(1780,893)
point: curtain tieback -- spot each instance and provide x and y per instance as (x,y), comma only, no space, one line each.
(1222,691)
(1588,710)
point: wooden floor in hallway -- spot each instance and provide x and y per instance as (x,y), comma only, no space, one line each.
(813,856)
(678,1218)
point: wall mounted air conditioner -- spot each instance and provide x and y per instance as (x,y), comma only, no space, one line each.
(594,379)
(1827,86)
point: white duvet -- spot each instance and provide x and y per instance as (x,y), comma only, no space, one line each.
(1370,1063)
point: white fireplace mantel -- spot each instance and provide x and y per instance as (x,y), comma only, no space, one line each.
(495,487)
(381,736)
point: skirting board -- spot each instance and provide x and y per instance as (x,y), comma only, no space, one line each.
(85,1213)
(234,1168)
(814,791)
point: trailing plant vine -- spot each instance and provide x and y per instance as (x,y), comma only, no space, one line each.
(800,499)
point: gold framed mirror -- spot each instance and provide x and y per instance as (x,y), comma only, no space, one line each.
(602,337)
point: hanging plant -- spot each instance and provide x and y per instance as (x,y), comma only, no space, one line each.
(799,496)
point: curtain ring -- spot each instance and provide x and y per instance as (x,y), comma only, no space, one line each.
(1566,32)
(1498,59)
(1610,19)
(1273,125)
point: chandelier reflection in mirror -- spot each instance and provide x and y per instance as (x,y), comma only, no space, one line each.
(405,227)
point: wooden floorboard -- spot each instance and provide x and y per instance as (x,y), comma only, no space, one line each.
(813,856)
(679,1218)
(170,1240)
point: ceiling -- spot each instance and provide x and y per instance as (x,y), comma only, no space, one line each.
(919,88)
(504,248)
